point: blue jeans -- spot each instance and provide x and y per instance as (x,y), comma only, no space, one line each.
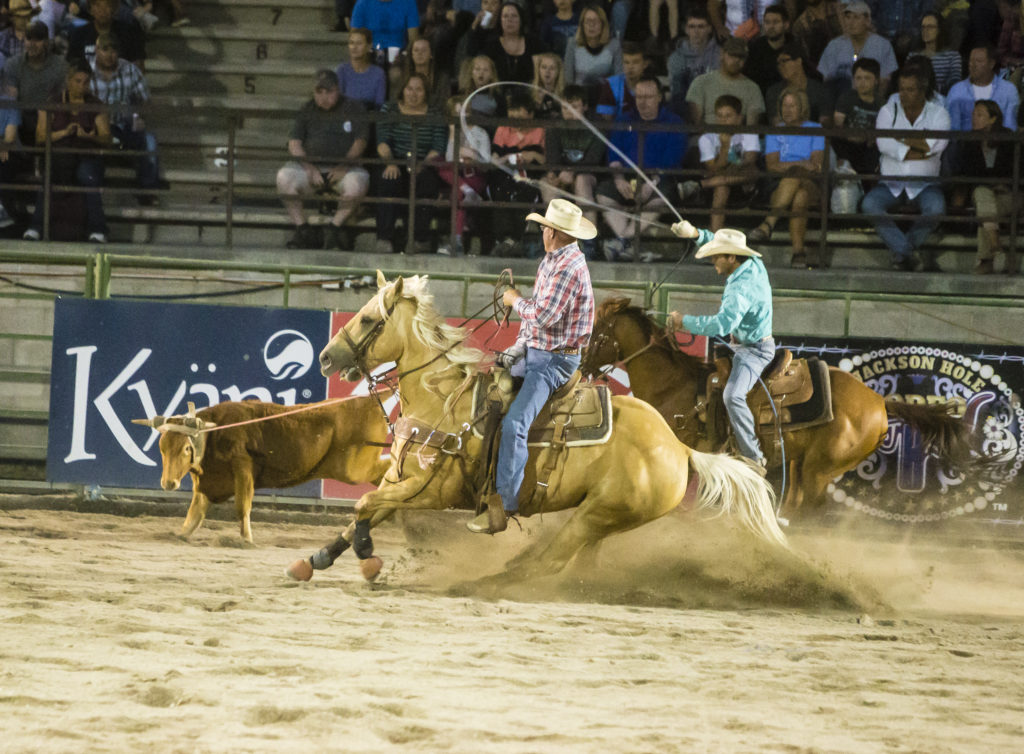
(545,373)
(747,364)
(80,170)
(930,201)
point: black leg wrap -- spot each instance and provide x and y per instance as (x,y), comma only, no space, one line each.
(325,557)
(362,545)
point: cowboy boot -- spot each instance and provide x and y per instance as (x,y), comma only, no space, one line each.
(492,520)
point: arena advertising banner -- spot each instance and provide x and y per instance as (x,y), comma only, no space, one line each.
(114,361)
(898,483)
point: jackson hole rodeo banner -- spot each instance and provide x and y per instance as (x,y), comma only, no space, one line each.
(114,361)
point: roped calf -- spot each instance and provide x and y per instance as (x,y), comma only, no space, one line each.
(339,440)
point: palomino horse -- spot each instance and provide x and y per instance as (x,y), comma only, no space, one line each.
(640,474)
(670,380)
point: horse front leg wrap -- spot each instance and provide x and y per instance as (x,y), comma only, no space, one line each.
(325,557)
(362,545)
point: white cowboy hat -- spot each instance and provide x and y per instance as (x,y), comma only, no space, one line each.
(727,241)
(567,217)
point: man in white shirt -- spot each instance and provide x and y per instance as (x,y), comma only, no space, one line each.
(909,156)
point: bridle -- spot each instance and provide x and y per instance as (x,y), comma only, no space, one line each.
(600,339)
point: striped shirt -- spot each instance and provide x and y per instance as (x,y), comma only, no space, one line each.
(561,312)
(125,86)
(430,137)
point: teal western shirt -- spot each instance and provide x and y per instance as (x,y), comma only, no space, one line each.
(746,311)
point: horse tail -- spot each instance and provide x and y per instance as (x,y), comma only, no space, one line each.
(942,434)
(737,489)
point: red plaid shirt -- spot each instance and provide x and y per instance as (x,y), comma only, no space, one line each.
(561,312)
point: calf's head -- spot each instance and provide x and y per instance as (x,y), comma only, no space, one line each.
(182,445)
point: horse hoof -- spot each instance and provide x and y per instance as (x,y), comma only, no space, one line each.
(371,567)
(300,570)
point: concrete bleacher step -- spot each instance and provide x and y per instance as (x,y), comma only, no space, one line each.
(233,78)
(220,44)
(314,15)
(193,115)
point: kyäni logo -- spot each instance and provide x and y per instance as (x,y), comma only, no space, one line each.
(288,355)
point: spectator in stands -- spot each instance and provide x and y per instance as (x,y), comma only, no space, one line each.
(74,129)
(10,120)
(794,76)
(697,53)
(325,138)
(1010,44)
(419,58)
(821,21)
(513,48)
(990,160)
(358,78)
(616,96)
(513,149)
(671,29)
(858,108)
(558,29)
(741,18)
(569,151)
(796,160)
(549,82)
(484,26)
(728,79)
(915,109)
(595,54)
(981,83)
(34,77)
(395,144)
(729,160)
(947,63)
(478,72)
(117,82)
(12,39)
(898,20)
(761,66)
(130,37)
(474,155)
(662,150)
(836,64)
(393,23)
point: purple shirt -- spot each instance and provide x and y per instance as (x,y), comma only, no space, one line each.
(370,86)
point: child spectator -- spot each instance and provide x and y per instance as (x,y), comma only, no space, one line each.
(513,148)
(558,29)
(547,80)
(475,73)
(858,108)
(568,151)
(358,78)
(730,160)
(797,160)
(474,148)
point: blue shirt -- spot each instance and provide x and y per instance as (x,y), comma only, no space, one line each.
(960,103)
(9,115)
(746,311)
(662,149)
(794,147)
(387,20)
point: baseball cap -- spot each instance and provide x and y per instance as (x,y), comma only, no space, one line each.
(858,7)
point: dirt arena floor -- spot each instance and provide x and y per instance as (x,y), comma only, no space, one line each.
(685,636)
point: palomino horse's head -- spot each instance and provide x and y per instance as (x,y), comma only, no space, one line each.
(370,338)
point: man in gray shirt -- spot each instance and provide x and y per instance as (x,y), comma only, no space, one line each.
(33,77)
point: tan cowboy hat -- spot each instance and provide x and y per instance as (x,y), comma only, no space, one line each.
(727,241)
(22,8)
(567,217)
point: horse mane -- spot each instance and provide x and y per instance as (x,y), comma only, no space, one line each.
(648,326)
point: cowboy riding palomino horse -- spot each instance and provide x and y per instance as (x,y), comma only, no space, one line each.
(673,382)
(641,472)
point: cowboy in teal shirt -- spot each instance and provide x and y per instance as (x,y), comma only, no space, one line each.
(745,315)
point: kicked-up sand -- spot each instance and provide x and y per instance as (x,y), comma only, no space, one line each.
(683,636)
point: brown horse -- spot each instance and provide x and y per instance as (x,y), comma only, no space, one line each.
(670,380)
(639,474)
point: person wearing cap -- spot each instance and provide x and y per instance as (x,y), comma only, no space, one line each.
(12,39)
(556,325)
(836,63)
(117,82)
(323,142)
(34,78)
(130,37)
(728,79)
(745,316)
